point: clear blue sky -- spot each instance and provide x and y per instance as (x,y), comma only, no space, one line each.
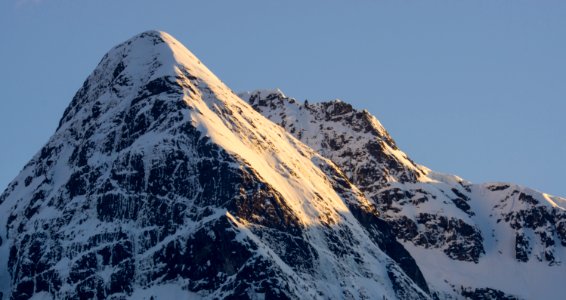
(474,88)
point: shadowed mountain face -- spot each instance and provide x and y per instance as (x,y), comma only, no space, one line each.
(482,241)
(160,181)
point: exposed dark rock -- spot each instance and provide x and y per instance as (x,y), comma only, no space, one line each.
(522,248)
(544,223)
(464,242)
(498,187)
(462,202)
(486,294)
(528,199)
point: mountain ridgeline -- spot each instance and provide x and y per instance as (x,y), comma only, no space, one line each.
(161,182)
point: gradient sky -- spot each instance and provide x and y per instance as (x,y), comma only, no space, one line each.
(473,88)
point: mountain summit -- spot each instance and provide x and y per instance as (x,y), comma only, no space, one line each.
(161,182)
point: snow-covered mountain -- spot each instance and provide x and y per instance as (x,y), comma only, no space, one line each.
(161,182)
(482,241)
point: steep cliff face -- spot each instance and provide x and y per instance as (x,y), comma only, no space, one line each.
(160,181)
(470,240)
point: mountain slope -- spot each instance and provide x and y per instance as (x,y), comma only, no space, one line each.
(159,181)
(490,240)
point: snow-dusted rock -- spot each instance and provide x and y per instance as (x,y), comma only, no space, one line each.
(482,241)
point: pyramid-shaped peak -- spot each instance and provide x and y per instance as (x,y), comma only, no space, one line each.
(139,65)
(150,39)
(156,53)
(153,35)
(161,42)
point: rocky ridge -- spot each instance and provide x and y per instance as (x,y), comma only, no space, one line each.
(436,216)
